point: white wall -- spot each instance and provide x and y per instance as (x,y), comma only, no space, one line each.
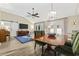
(47,25)
(14,28)
(67,24)
(70,23)
(14,18)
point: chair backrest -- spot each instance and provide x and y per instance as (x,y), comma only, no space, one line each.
(74,35)
(42,33)
(38,34)
(75,46)
(2,35)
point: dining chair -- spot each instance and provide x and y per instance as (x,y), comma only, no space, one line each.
(70,48)
(37,35)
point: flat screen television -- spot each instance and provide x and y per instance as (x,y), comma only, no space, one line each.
(23,26)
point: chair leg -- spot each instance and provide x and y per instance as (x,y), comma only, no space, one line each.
(45,51)
(50,49)
(35,46)
(59,50)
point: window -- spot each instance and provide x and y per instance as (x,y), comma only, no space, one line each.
(59,31)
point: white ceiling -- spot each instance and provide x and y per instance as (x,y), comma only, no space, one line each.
(66,9)
(21,9)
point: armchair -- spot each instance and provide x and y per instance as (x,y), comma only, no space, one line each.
(70,48)
(2,35)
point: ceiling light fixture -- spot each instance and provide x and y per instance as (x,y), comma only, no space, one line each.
(53,12)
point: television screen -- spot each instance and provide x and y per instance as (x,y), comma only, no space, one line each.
(23,26)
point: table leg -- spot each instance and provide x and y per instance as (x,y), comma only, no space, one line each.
(50,49)
(35,45)
(42,50)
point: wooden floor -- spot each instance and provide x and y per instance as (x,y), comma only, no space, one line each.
(15,48)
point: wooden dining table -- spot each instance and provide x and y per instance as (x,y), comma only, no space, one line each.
(58,41)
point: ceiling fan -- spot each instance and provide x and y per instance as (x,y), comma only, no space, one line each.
(33,13)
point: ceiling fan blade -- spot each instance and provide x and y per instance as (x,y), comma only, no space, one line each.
(37,16)
(33,14)
(29,13)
